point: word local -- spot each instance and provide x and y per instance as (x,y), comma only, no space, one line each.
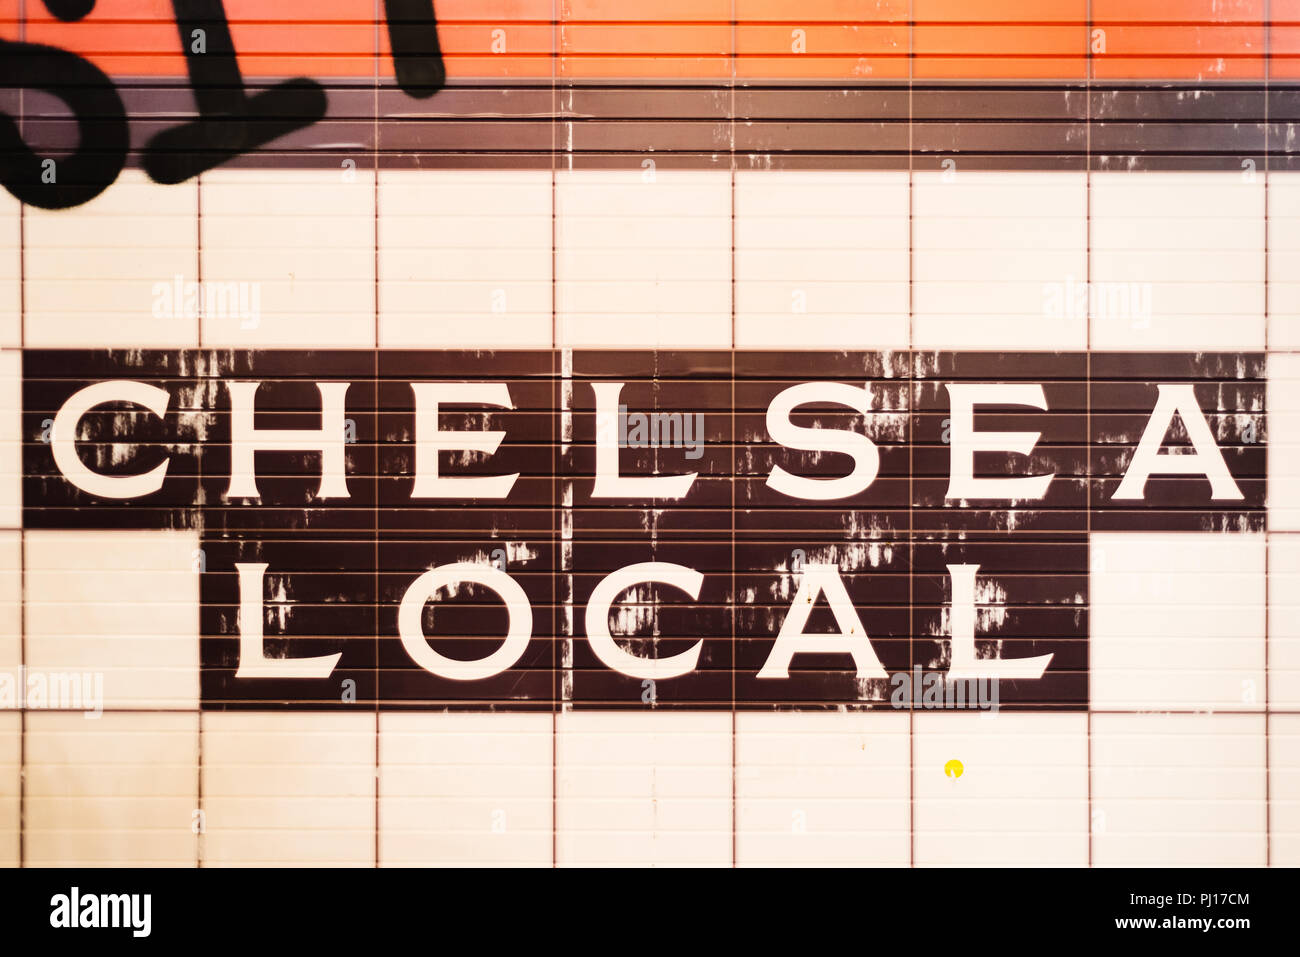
(816,581)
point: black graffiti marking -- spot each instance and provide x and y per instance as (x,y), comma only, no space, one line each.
(101,127)
(70,11)
(417,56)
(230,121)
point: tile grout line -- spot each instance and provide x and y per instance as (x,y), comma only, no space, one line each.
(1268,741)
(555,516)
(22,725)
(375,163)
(1087,320)
(22,531)
(911,444)
(198,275)
(735,824)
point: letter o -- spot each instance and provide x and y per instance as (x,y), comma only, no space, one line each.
(519,628)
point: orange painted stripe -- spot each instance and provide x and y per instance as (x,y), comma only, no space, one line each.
(9,19)
(1000,51)
(823,50)
(646,11)
(686,39)
(822,40)
(645,49)
(1178,39)
(822,11)
(136,48)
(1001,11)
(1180,52)
(647,38)
(1284,39)
(1181,11)
(491,50)
(500,12)
(140,38)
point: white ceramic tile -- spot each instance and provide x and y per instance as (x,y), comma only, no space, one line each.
(1284,788)
(998,260)
(289,789)
(642,259)
(465,258)
(1177,621)
(1193,243)
(821,259)
(118,790)
(11,607)
(300,244)
(1020,799)
(465,789)
(104,273)
(1284,621)
(10,784)
(1178,790)
(1284,260)
(120,606)
(822,789)
(643,789)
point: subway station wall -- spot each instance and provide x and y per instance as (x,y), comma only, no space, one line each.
(712,204)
